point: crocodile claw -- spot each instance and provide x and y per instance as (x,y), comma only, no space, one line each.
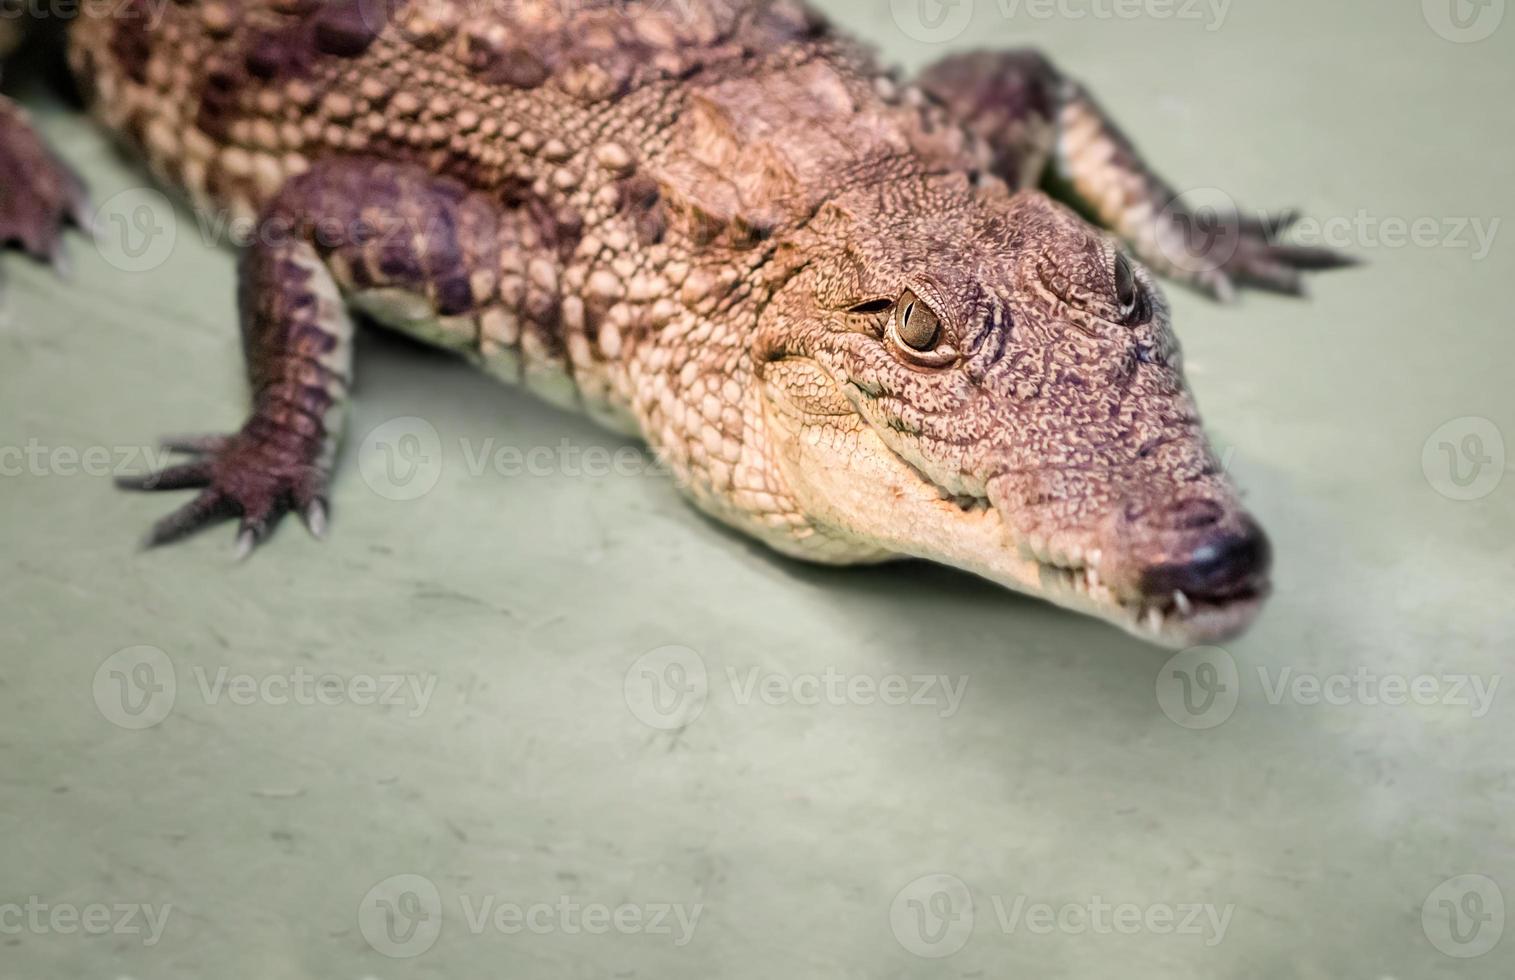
(1221,254)
(258,480)
(1261,264)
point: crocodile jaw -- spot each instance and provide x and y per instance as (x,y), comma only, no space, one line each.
(982,542)
(978,539)
(857,492)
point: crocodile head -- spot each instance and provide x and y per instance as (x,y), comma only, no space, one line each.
(984,380)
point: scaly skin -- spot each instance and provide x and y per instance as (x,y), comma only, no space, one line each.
(831,300)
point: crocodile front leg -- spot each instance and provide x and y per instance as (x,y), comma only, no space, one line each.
(1032,117)
(297,337)
(346,229)
(39,195)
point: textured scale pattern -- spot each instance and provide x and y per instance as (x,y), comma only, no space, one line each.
(640,166)
(709,223)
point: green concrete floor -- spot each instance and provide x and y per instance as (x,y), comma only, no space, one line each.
(1053,808)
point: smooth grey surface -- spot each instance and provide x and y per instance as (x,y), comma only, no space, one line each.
(1327,830)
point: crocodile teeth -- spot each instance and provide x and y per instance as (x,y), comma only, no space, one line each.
(1182,602)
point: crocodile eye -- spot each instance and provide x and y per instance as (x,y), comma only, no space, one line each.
(1128,291)
(1125,285)
(915,324)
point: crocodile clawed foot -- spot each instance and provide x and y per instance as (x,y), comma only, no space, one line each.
(1223,255)
(40,197)
(259,478)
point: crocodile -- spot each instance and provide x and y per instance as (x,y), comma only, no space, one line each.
(862,316)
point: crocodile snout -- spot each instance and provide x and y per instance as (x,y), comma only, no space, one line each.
(1210,558)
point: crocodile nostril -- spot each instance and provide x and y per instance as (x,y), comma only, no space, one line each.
(1181,515)
(1189,515)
